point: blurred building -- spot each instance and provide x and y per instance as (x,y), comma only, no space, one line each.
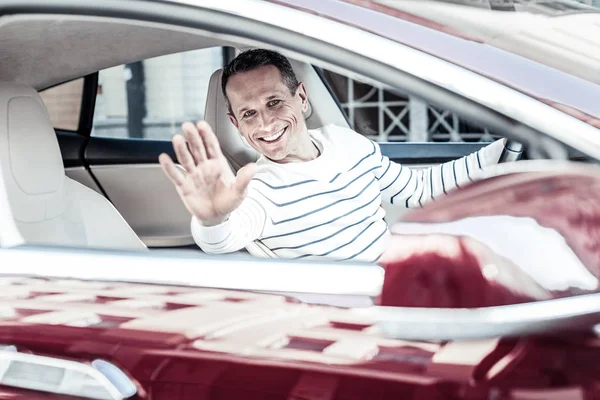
(174,87)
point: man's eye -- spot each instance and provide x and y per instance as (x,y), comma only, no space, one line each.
(248,114)
(273,103)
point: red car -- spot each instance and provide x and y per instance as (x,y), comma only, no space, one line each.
(490,292)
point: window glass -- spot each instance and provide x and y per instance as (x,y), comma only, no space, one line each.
(150,99)
(63,103)
(387,116)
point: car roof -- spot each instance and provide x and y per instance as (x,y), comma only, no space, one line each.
(554,59)
(559,34)
(96,43)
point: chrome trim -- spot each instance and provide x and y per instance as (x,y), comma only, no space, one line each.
(116,377)
(73,380)
(542,317)
(459,80)
(544,166)
(191,268)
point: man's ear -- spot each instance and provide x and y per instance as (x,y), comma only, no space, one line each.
(232,119)
(303,96)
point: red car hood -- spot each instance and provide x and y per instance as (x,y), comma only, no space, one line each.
(176,342)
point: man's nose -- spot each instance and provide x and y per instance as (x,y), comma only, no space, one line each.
(265,120)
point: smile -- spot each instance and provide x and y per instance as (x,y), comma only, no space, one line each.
(275,137)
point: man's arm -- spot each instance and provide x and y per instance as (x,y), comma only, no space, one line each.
(244,225)
(410,188)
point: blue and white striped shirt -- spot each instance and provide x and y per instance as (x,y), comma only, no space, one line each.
(331,206)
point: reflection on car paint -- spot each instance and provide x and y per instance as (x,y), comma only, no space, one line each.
(518,237)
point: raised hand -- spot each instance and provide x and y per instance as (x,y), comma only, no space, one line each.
(208,188)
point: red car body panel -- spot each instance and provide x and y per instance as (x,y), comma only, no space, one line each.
(575,96)
(421,271)
(187,343)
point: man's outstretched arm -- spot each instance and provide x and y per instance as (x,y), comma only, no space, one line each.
(409,187)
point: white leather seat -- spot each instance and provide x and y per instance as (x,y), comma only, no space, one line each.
(322,110)
(48,207)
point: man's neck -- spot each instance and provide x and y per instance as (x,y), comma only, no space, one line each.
(306,150)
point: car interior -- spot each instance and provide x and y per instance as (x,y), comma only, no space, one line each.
(69,188)
(45,203)
(62,206)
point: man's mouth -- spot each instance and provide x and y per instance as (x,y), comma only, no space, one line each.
(275,137)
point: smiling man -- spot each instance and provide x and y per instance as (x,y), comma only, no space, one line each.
(312,193)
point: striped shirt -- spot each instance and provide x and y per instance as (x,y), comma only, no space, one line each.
(330,207)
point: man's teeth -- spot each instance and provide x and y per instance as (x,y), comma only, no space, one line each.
(274,137)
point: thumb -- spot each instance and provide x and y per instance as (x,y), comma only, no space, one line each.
(244,176)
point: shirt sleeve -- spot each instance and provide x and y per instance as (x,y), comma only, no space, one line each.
(411,188)
(243,226)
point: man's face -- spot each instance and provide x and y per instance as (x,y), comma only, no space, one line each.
(267,115)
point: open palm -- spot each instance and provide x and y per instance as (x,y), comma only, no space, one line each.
(207,186)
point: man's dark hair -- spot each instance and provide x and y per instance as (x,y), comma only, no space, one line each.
(255,58)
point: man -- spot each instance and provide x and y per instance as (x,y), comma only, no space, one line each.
(312,193)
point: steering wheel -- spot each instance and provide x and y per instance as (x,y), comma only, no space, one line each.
(512,152)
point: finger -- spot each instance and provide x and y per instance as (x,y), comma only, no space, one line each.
(195,142)
(173,173)
(211,143)
(183,154)
(244,176)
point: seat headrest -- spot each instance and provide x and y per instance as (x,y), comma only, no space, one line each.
(31,160)
(235,150)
